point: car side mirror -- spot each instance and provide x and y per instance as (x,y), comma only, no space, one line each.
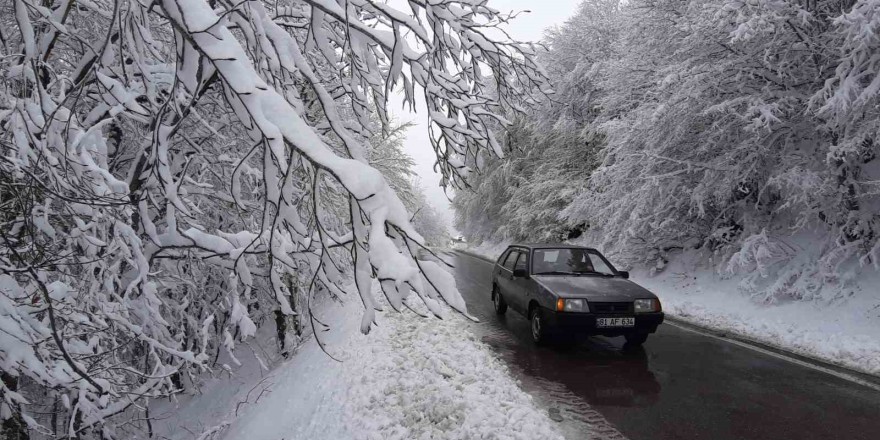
(520,273)
(624,274)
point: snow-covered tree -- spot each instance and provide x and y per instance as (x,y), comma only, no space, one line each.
(734,127)
(716,134)
(173,171)
(430,222)
(387,155)
(553,148)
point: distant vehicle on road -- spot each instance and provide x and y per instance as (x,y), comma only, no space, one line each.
(568,290)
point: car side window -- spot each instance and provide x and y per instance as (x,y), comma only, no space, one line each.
(523,261)
(511,259)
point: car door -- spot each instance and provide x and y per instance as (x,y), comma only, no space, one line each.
(519,286)
(504,276)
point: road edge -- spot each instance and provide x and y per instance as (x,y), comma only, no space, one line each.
(851,374)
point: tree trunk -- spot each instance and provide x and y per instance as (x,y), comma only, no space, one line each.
(13,427)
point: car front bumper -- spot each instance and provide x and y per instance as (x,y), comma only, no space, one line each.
(585,323)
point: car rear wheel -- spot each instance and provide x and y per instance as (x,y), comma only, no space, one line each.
(499,302)
(539,331)
(636,339)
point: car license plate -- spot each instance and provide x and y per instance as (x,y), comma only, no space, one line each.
(615,392)
(615,322)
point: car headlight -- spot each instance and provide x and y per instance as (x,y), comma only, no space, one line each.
(646,305)
(572,305)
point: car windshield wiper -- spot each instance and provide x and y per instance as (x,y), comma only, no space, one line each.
(557,272)
(560,272)
(593,272)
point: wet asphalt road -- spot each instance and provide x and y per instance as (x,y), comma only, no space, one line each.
(681,385)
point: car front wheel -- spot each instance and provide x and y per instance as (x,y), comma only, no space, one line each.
(538,326)
(498,301)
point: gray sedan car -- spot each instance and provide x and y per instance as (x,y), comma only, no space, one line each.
(567,289)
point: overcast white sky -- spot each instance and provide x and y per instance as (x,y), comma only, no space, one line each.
(527,27)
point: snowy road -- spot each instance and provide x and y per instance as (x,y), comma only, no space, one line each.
(681,385)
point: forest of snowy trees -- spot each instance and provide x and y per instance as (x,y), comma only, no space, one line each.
(747,129)
(176,174)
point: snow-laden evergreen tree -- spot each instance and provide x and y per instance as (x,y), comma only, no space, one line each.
(174,171)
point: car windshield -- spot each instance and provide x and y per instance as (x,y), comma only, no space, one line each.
(569,262)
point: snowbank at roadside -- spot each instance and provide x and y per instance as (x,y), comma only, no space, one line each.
(410,378)
(487,250)
(845,331)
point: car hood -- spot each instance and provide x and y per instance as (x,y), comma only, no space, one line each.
(595,288)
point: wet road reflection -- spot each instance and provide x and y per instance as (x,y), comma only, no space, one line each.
(606,374)
(681,385)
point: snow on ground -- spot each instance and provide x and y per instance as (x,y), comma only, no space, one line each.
(410,378)
(845,331)
(486,250)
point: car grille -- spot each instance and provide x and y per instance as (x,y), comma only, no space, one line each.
(611,307)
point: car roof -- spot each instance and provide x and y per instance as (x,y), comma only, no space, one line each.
(551,246)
